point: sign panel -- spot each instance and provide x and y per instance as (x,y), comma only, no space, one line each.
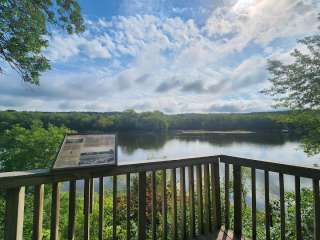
(85,150)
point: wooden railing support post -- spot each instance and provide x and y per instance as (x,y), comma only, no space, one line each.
(164,204)
(55,211)
(199,198)
(316,199)
(72,209)
(142,206)
(216,199)
(14,214)
(38,212)
(86,209)
(237,201)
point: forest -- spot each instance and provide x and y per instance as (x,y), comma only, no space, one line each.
(147,121)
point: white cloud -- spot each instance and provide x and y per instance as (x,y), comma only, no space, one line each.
(123,62)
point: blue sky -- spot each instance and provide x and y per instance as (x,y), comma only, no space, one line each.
(173,56)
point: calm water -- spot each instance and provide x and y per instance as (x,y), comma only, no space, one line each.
(268,147)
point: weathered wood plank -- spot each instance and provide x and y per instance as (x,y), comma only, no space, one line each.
(43,176)
(86,209)
(154,205)
(174,204)
(91,194)
(38,212)
(55,211)
(316,204)
(254,204)
(226,196)
(164,204)
(237,227)
(207,207)
(142,206)
(282,209)
(298,208)
(128,205)
(101,208)
(199,198)
(216,198)
(114,206)
(183,203)
(267,204)
(191,202)
(72,210)
(15,198)
(272,166)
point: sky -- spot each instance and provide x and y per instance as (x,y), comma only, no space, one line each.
(175,56)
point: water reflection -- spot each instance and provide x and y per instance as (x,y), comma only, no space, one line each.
(264,146)
(267,146)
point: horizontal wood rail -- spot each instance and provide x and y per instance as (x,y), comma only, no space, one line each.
(296,171)
(190,191)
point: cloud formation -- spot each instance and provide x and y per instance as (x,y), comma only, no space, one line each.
(172,58)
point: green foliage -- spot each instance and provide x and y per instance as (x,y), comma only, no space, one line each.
(30,148)
(307,215)
(297,85)
(24,27)
(145,121)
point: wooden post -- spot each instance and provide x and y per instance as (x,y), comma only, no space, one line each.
(91,194)
(316,200)
(237,201)
(86,209)
(55,211)
(254,203)
(72,209)
(154,205)
(282,209)
(226,197)
(164,205)
(38,212)
(14,214)
(183,203)
(216,199)
(298,208)
(191,203)
(101,208)
(207,206)
(128,205)
(114,207)
(174,204)
(200,198)
(267,204)
(142,206)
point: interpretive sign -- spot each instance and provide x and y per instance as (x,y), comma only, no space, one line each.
(86,150)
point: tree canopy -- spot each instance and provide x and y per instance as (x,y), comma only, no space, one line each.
(297,86)
(31,148)
(24,28)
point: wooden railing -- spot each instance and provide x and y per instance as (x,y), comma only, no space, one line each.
(198,194)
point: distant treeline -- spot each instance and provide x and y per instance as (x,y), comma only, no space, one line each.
(147,121)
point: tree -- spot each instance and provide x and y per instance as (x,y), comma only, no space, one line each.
(297,87)
(24,29)
(32,148)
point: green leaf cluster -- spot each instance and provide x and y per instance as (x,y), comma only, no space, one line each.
(24,28)
(30,148)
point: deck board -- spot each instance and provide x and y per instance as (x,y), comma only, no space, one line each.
(219,235)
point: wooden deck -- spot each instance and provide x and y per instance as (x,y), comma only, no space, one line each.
(219,235)
(200,175)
